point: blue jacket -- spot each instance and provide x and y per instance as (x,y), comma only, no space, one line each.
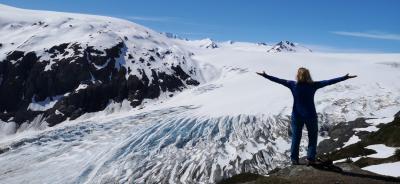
(303,95)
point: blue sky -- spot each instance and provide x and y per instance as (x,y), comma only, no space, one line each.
(350,25)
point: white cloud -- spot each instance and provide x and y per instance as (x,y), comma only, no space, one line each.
(373,35)
(332,49)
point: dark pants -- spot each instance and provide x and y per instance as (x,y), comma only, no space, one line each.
(297,125)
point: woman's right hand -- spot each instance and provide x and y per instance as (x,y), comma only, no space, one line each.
(350,76)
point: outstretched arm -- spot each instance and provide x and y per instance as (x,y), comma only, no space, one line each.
(323,83)
(284,82)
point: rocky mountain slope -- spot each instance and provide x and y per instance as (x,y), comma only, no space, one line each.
(350,158)
(370,144)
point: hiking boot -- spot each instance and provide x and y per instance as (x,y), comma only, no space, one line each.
(295,162)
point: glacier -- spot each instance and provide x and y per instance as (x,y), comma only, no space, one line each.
(166,145)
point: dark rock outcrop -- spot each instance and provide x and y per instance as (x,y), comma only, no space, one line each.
(308,174)
(25,78)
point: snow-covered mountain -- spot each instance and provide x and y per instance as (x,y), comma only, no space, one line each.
(204,43)
(287,46)
(58,66)
(138,107)
(172,35)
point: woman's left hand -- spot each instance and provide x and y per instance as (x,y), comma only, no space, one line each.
(262,74)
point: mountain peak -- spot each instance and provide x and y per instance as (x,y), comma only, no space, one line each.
(208,43)
(288,46)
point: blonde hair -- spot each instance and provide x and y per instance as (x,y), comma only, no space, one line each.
(303,75)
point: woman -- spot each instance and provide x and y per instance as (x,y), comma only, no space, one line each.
(303,111)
